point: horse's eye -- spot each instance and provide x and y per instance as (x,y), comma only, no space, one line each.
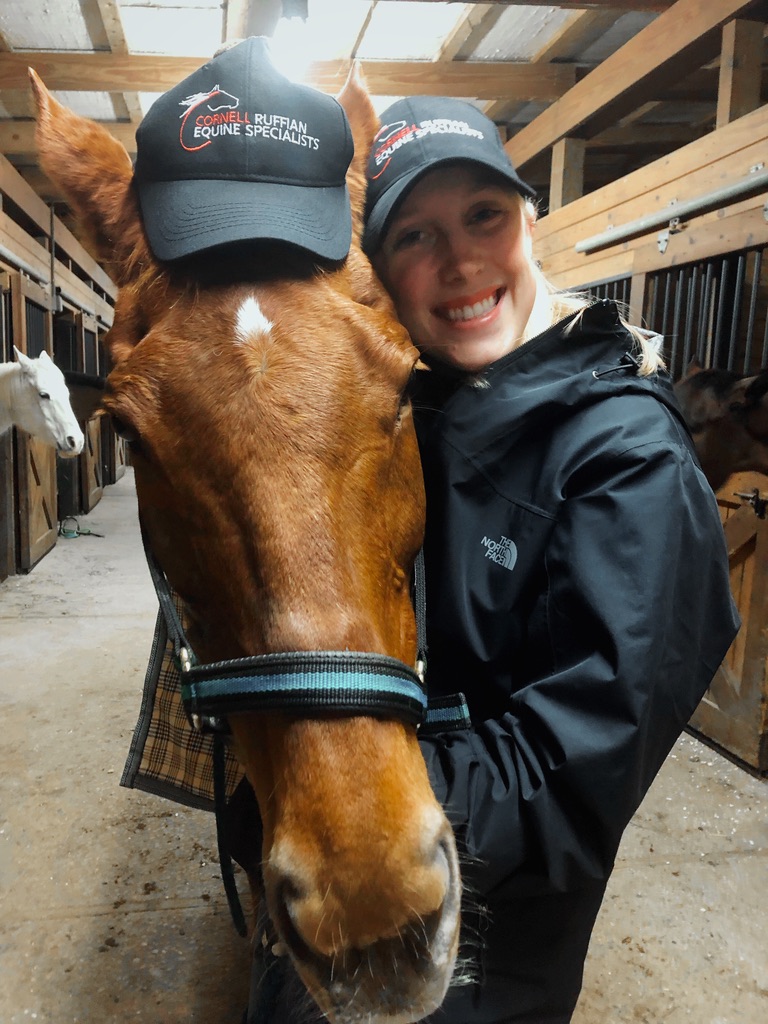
(404,406)
(44,394)
(123,430)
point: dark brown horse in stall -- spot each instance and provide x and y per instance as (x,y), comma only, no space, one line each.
(279,489)
(728,418)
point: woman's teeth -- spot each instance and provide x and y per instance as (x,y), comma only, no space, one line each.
(470,312)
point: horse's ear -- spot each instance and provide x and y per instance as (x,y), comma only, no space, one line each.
(364,122)
(693,367)
(757,388)
(21,359)
(94,172)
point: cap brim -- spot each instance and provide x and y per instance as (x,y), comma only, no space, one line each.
(183,218)
(378,219)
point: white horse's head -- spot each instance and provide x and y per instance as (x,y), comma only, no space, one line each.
(42,406)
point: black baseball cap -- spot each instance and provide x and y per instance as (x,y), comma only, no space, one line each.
(418,134)
(237,152)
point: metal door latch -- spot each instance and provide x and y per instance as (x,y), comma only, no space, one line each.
(760,505)
(674,227)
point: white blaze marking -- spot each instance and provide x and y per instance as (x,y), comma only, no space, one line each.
(251,322)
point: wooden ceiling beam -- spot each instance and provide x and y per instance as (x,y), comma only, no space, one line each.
(108,72)
(625,6)
(17,138)
(680,40)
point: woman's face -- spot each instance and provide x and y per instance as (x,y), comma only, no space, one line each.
(457,261)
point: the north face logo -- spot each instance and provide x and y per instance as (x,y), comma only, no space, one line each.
(502,551)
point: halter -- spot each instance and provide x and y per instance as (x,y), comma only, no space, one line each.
(312,682)
(335,682)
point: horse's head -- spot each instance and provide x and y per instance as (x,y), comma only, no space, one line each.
(41,405)
(727,415)
(279,486)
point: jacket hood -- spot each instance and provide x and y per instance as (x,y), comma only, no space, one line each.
(578,362)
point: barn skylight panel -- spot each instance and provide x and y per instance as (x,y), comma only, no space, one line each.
(409,31)
(30,25)
(330,32)
(192,28)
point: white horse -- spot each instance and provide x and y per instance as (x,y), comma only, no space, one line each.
(35,397)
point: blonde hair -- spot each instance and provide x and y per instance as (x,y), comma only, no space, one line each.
(552,305)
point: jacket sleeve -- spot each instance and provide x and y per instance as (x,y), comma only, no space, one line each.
(634,621)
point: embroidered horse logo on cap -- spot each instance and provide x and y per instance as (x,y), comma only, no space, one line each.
(213,102)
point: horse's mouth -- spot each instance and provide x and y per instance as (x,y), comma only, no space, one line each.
(397,980)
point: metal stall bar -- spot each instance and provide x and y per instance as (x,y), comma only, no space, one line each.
(736,308)
(756,268)
(753,182)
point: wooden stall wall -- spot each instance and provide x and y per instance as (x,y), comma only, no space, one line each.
(700,279)
(734,711)
(35,462)
(54,298)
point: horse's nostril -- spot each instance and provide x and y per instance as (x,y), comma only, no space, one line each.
(71,442)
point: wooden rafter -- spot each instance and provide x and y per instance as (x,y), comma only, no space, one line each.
(578,28)
(470,31)
(678,41)
(624,6)
(109,13)
(109,72)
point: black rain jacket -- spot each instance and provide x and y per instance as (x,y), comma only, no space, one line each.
(578,594)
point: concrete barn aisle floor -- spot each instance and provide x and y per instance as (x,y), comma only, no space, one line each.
(111,904)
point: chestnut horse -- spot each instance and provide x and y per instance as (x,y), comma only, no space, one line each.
(279,489)
(728,417)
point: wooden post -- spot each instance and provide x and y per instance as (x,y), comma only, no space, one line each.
(740,70)
(637,299)
(567,174)
(243,18)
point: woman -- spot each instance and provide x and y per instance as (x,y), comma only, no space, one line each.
(577,577)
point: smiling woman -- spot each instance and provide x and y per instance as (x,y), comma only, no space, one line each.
(575,563)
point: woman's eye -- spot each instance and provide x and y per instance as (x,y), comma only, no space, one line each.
(485,214)
(408,239)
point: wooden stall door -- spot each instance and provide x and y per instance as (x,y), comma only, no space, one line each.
(113,449)
(734,711)
(91,467)
(7,507)
(37,499)
(68,355)
(31,328)
(91,462)
(7,487)
(112,453)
